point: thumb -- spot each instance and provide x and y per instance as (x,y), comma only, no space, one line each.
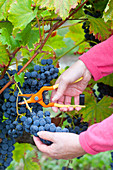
(60,91)
(47,135)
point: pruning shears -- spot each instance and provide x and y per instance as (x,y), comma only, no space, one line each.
(38,97)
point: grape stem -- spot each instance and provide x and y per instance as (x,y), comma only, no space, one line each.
(58,58)
(23,98)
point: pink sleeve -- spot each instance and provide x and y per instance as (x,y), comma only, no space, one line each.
(99,59)
(98,137)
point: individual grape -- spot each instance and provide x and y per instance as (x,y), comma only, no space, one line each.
(52,127)
(42,122)
(58,129)
(28,74)
(49,61)
(36,122)
(56,70)
(47,113)
(48,119)
(40,114)
(47,127)
(12,98)
(34,74)
(43,61)
(52,70)
(6,95)
(19,67)
(36,67)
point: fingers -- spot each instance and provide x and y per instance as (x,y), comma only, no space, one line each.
(47,135)
(42,147)
(60,91)
(76,101)
(66,101)
(55,109)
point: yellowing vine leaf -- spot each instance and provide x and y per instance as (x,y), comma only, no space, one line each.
(62,7)
(99,28)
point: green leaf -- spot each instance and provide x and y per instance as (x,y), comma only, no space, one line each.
(108,13)
(4,57)
(4,7)
(76,33)
(19,78)
(83,47)
(28,36)
(54,43)
(45,13)
(80,13)
(99,28)
(97,111)
(7,39)
(62,8)
(21,13)
(20,151)
(7,25)
(100,5)
(107,79)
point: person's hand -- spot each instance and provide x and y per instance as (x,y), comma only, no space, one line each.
(64,146)
(67,88)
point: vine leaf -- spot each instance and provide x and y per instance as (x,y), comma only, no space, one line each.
(4,57)
(108,13)
(100,5)
(83,47)
(4,7)
(107,79)
(20,150)
(30,163)
(76,33)
(7,39)
(61,7)
(28,36)
(99,28)
(97,111)
(7,25)
(21,13)
(54,43)
(19,78)
(45,13)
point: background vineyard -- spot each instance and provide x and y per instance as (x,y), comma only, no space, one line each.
(32,30)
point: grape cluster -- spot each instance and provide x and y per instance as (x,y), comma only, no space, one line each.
(75,125)
(89,10)
(101,89)
(15,119)
(40,121)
